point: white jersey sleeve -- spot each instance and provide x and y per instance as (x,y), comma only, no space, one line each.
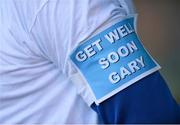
(36,39)
(61,26)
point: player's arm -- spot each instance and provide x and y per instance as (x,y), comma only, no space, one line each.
(146,100)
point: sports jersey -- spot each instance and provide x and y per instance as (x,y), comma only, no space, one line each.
(38,82)
(36,38)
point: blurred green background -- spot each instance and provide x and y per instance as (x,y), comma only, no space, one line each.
(159,30)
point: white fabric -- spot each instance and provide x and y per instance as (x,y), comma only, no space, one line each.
(36,38)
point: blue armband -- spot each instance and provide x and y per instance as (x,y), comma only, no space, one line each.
(113,60)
